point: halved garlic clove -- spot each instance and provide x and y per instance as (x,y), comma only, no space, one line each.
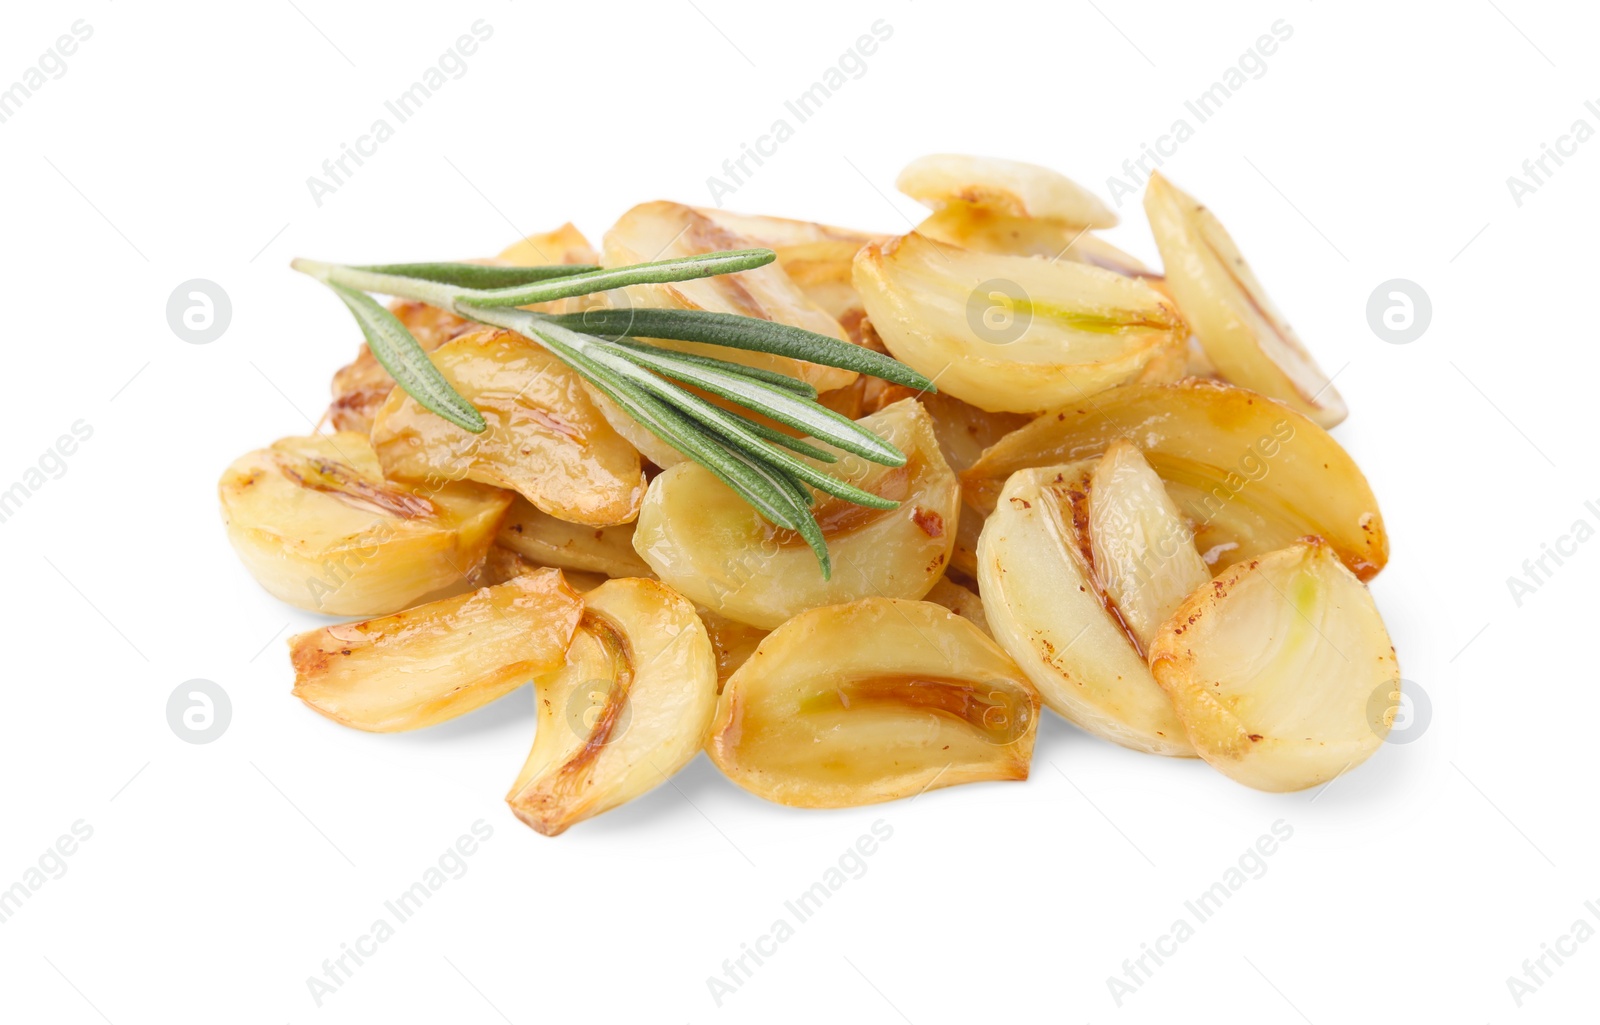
(318,526)
(1047,613)
(545,439)
(662,230)
(816,257)
(965,431)
(498,566)
(360,388)
(969,528)
(1274,669)
(630,707)
(824,271)
(502,564)
(1012,333)
(733,641)
(964,603)
(781,233)
(1008,186)
(436,661)
(565,244)
(1252,474)
(1144,559)
(987,230)
(703,539)
(552,542)
(1243,333)
(871,701)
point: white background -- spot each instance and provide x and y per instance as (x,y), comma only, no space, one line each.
(219,877)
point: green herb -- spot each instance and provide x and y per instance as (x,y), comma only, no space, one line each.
(646,381)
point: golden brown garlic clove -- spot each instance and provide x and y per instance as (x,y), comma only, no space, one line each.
(872,701)
(630,707)
(436,661)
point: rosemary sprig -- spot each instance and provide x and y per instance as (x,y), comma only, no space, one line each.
(735,332)
(759,463)
(406,361)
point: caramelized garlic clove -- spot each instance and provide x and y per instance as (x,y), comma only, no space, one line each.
(318,526)
(707,542)
(662,230)
(360,388)
(1048,614)
(987,230)
(1006,186)
(1144,559)
(1242,332)
(1012,333)
(1251,474)
(960,600)
(545,439)
(1282,670)
(549,541)
(871,701)
(437,661)
(630,706)
(734,642)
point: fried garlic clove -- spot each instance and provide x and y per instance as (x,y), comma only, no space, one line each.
(436,661)
(704,540)
(549,541)
(1144,559)
(988,230)
(502,564)
(1282,671)
(781,233)
(1251,474)
(965,431)
(499,565)
(1006,186)
(816,257)
(734,642)
(1012,333)
(1242,332)
(318,526)
(963,602)
(969,528)
(630,707)
(662,230)
(1048,614)
(825,271)
(565,244)
(871,701)
(360,388)
(545,438)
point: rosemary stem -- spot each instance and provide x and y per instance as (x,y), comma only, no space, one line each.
(432,293)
